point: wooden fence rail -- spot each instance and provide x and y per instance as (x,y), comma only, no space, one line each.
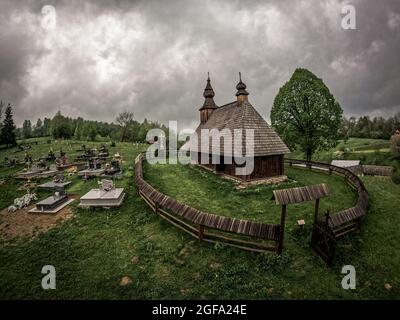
(349,219)
(328,229)
(260,237)
(207,227)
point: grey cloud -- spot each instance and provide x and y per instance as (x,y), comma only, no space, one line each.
(152,56)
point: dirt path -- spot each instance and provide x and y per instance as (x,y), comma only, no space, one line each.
(24,224)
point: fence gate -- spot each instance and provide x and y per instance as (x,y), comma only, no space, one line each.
(323,241)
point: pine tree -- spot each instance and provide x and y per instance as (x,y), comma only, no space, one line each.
(8,128)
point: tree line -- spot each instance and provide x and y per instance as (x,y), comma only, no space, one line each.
(125,128)
(365,127)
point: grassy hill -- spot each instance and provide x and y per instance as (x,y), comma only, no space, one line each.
(96,248)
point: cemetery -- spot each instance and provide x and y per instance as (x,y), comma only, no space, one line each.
(133,219)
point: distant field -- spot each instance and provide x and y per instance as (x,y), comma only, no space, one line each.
(368,151)
(364,144)
(96,248)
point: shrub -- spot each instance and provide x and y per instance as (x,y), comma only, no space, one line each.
(396,177)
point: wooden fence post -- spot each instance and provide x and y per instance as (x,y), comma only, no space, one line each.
(316,210)
(201,232)
(327,216)
(282,229)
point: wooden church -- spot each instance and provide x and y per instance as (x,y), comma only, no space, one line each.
(268,147)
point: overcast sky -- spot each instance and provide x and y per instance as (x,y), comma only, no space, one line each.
(152,57)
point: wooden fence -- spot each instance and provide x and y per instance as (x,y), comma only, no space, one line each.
(327,230)
(349,219)
(245,234)
(207,227)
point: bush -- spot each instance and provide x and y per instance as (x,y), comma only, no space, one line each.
(396,177)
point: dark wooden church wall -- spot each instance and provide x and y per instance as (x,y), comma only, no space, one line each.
(264,166)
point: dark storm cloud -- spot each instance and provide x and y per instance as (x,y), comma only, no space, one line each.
(151,57)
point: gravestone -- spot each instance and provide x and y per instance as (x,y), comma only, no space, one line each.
(106,196)
(53,203)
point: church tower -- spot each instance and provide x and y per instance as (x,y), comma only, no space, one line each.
(209,105)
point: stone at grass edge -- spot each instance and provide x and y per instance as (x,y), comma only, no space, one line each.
(125,281)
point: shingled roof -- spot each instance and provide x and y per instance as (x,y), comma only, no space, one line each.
(243,116)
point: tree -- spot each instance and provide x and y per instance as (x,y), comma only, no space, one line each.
(395,144)
(78,132)
(306,114)
(126,121)
(46,127)
(344,129)
(60,127)
(38,128)
(8,129)
(27,129)
(90,131)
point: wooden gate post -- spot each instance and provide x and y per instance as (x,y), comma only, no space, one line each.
(316,210)
(282,229)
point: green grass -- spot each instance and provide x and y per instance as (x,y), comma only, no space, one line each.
(94,250)
(202,190)
(368,151)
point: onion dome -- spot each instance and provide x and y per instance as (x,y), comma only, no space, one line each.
(241,87)
(208,94)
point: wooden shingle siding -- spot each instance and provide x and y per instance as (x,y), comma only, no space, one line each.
(242,116)
(300,194)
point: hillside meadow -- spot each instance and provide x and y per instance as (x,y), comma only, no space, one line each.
(95,249)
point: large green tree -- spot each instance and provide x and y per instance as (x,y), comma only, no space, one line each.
(61,127)
(8,128)
(305,114)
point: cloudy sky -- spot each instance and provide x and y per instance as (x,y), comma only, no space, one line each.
(152,57)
